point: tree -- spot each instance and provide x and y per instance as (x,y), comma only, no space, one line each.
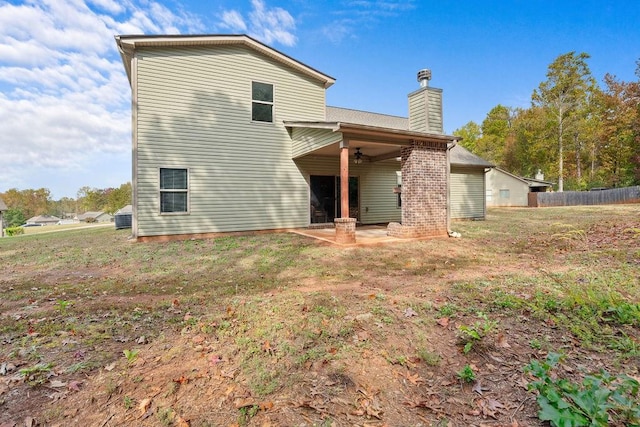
(92,199)
(117,198)
(13,217)
(619,132)
(496,134)
(531,150)
(30,202)
(470,134)
(562,96)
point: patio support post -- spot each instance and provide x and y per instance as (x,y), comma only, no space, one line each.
(344,181)
(345,226)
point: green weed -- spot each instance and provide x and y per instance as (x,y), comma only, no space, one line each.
(37,374)
(466,374)
(131,355)
(599,400)
(475,333)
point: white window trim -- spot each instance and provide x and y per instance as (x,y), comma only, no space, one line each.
(160,191)
(272,103)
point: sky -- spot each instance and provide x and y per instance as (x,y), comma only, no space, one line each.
(65,115)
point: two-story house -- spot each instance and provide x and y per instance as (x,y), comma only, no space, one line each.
(232,135)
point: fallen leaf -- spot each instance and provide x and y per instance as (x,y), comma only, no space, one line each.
(266,347)
(181,380)
(410,312)
(198,339)
(489,407)
(215,359)
(414,379)
(502,341)
(110,366)
(144,405)
(181,422)
(443,321)
(243,402)
(477,387)
(74,385)
(265,405)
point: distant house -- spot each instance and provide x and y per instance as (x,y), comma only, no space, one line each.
(507,189)
(467,188)
(43,220)
(230,134)
(3,208)
(95,217)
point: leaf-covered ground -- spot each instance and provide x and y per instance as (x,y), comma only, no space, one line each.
(282,330)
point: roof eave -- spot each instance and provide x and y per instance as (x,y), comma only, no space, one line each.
(372,130)
(127,44)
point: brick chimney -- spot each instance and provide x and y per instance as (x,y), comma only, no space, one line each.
(425,106)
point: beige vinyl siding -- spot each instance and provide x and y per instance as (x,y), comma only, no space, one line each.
(306,140)
(518,190)
(376,181)
(194,111)
(435,111)
(425,110)
(467,193)
(417,112)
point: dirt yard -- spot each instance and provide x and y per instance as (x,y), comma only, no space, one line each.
(283,330)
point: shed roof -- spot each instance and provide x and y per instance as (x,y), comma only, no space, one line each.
(460,156)
(3,206)
(126,210)
(127,44)
(531,182)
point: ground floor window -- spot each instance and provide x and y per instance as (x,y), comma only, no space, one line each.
(174,190)
(504,194)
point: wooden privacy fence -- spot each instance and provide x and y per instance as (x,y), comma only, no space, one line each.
(578,198)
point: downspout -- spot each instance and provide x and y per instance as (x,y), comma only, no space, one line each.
(133,81)
(449,147)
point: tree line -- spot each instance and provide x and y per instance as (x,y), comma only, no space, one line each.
(25,204)
(579,134)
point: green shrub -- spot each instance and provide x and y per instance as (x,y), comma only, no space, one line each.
(14,231)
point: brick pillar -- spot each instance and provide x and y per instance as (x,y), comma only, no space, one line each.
(424,191)
(345,230)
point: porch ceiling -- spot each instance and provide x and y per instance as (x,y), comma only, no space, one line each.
(372,151)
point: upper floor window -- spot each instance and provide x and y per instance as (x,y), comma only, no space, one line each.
(261,102)
(174,190)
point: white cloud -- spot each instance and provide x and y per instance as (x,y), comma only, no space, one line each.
(355,14)
(64,96)
(232,20)
(267,24)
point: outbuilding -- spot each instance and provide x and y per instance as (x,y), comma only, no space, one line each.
(507,189)
(123,217)
(467,188)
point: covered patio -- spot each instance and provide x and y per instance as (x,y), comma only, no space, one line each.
(423,165)
(366,235)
